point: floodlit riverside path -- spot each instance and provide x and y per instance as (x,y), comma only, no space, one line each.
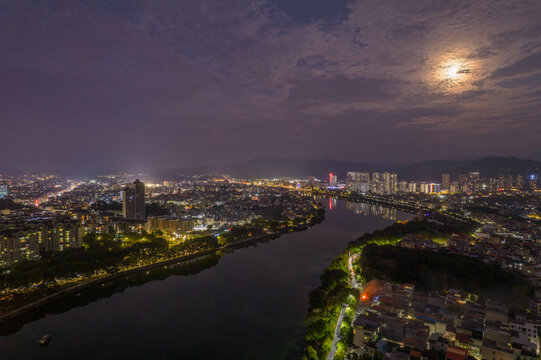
(249,304)
(355,285)
(336,333)
(351,259)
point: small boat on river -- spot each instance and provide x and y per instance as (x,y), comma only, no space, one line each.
(45,339)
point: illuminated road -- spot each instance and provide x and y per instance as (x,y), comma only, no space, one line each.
(354,283)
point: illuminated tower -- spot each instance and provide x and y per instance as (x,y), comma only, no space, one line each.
(532,181)
(445,181)
(133,201)
(4,191)
(333,179)
(376,185)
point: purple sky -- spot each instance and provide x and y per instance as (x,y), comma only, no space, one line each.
(135,84)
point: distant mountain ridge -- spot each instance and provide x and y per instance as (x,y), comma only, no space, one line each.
(265,167)
(536,156)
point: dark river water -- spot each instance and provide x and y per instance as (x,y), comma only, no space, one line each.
(249,304)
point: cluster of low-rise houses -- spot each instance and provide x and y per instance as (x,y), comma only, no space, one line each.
(404,323)
(407,324)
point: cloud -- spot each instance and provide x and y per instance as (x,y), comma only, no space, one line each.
(341,89)
(526,64)
(233,79)
(529,82)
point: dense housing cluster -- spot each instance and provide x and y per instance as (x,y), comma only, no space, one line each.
(52,214)
(404,323)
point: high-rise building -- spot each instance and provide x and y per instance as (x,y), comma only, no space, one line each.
(375,184)
(333,179)
(133,201)
(532,182)
(393,183)
(169,183)
(27,240)
(429,188)
(351,180)
(445,181)
(508,182)
(388,181)
(470,182)
(4,191)
(519,182)
(358,181)
(170,224)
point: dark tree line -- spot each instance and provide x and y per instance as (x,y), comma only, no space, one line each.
(440,271)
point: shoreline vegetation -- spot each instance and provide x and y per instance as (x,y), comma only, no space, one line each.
(105,260)
(336,291)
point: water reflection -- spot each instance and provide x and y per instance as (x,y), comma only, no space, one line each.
(372,210)
(365,209)
(332,203)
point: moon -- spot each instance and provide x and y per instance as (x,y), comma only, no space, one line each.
(454,74)
(454,69)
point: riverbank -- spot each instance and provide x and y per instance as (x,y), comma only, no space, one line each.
(25,309)
(28,303)
(90,283)
(337,292)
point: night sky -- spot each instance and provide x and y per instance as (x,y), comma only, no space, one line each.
(128,84)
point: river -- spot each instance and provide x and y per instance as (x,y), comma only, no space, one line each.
(249,304)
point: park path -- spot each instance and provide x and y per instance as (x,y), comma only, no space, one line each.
(355,285)
(336,333)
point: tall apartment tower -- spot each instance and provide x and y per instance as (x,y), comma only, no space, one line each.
(4,191)
(133,201)
(445,181)
(388,183)
(532,181)
(376,184)
(333,179)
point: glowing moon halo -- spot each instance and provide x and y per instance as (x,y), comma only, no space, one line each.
(452,71)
